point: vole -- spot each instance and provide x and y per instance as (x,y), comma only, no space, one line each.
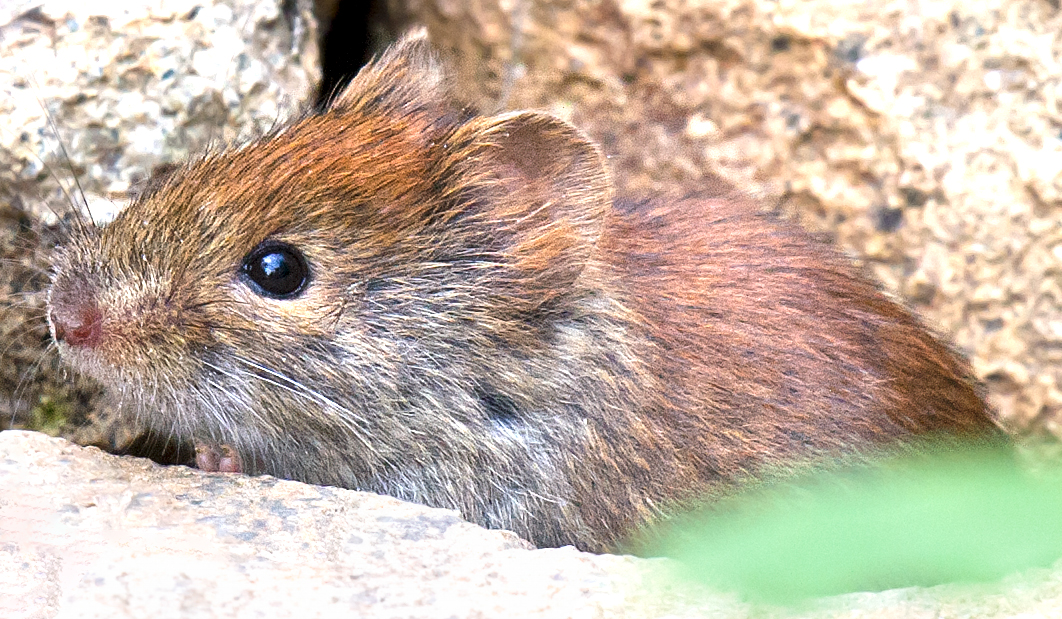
(400,296)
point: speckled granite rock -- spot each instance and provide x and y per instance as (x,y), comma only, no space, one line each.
(131,84)
(128,85)
(925,135)
(85,535)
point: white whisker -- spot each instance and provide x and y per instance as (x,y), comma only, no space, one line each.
(347,417)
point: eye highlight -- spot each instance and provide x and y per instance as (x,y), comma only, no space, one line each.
(275,270)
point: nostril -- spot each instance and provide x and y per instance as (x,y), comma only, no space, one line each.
(79,325)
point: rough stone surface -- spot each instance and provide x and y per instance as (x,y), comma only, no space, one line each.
(923,135)
(84,534)
(106,91)
(130,85)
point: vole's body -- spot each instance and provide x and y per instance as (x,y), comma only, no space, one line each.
(483,327)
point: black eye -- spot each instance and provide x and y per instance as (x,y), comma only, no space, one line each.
(275,270)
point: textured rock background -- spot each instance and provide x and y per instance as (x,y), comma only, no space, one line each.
(132,84)
(107,91)
(925,136)
(85,535)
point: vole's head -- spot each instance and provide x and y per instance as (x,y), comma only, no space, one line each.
(387,232)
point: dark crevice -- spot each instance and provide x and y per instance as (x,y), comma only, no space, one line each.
(160,448)
(350,37)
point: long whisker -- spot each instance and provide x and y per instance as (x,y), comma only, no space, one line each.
(219,410)
(14,262)
(62,188)
(27,301)
(15,341)
(221,413)
(24,382)
(69,164)
(348,417)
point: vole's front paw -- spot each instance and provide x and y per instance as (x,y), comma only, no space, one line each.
(217,458)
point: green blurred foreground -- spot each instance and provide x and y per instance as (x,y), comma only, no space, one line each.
(952,515)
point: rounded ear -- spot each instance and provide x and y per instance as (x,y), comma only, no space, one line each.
(541,186)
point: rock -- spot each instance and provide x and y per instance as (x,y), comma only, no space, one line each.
(84,534)
(109,90)
(923,136)
(106,91)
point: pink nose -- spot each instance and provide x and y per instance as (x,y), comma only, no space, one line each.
(79,324)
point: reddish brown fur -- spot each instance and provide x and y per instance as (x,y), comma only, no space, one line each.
(765,346)
(484,329)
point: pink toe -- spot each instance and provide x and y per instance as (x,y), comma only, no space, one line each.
(229,461)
